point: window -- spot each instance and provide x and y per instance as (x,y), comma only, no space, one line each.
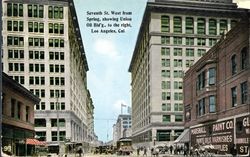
(190,52)
(189,41)
(234,96)
(165,40)
(201,81)
(36,42)
(163,135)
(212,27)
(233,23)
(212,42)
(177,51)
(55,12)
(201,26)
(166,107)
(165,85)
(41,135)
(178,107)
(14,9)
(165,51)
(189,25)
(178,85)
(201,107)
(178,96)
(27,114)
(165,62)
(166,95)
(178,73)
(13,107)
(177,25)
(211,76)
(177,62)
(178,40)
(189,63)
(165,73)
(244,58)
(244,92)
(201,52)
(201,41)
(178,118)
(35,11)
(165,24)
(233,65)
(15,41)
(223,26)
(40,122)
(212,104)
(166,118)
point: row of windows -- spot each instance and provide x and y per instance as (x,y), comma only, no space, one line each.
(15,41)
(36,27)
(206,77)
(188,41)
(167,85)
(19,79)
(167,118)
(16,54)
(167,96)
(17,110)
(56,55)
(42,135)
(41,106)
(19,41)
(243,94)
(201,106)
(189,52)
(57,93)
(36,54)
(38,92)
(201,25)
(36,80)
(36,11)
(176,73)
(56,68)
(57,81)
(36,67)
(16,67)
(243,61)
(15,26)
(42,122)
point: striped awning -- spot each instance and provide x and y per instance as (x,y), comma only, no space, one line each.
(32,141)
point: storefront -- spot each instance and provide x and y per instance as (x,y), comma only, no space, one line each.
(14,139)
(223,134)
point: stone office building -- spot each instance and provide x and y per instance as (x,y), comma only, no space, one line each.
(173,35)
(43,51)
(216,94)
(17,117)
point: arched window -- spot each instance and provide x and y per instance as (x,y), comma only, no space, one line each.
(212,27)
(165,24)
(201,26)
(244,58)
(233,64)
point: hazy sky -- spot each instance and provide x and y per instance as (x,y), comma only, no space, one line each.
(109,56)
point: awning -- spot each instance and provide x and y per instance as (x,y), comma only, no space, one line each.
(184,137)
(33,141)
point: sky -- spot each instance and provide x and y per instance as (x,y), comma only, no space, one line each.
(109,55)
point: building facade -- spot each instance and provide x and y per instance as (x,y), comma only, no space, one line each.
(43,51)
(216,94)
(173,35)
(17,117)
(122,128)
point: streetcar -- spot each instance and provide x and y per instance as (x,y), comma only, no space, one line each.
(124,146)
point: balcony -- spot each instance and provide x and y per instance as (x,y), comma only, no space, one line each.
(207,117)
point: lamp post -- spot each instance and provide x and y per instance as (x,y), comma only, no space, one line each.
(57,122)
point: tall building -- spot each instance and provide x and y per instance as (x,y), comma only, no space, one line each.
(173,35)
(216,94)
(17,118)
(43,51)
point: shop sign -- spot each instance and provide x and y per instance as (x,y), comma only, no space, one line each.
(219,134)
(243,135)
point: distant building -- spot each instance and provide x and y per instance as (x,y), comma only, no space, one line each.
(17,117)
(216,94)
(122,128)
(43,51)
(173,35)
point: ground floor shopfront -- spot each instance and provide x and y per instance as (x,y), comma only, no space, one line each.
(224,134)
(14,141)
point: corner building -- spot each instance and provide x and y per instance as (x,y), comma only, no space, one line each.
(43,51)
(217,106)
(173,35)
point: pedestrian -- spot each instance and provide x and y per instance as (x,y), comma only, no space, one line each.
(171,149)
(138,151)
(80,151)
(145,151)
